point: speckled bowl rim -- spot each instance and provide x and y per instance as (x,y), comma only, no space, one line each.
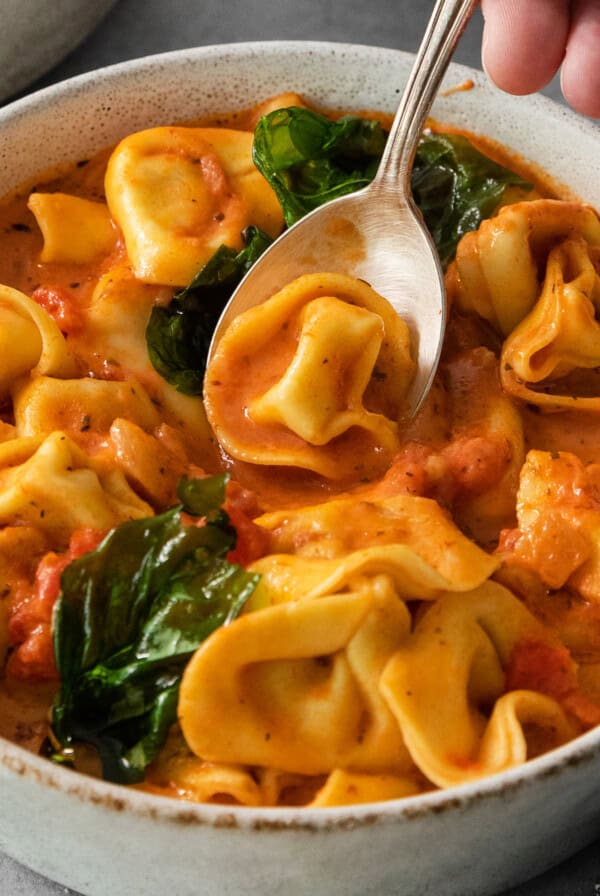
(583,750)
(579,752)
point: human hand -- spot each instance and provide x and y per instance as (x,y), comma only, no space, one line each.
(525,42)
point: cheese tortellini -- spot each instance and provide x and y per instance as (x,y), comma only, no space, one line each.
(295,686)
(498,265)
(324,547)
(58,489)
(561,334)
(30,341)
(533,273)
(180,193)
(75,230)
(339,366)
(466,641)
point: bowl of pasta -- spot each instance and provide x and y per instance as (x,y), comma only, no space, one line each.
(258,629)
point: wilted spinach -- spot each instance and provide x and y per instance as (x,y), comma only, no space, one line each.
(129,616)
(456,187)
(178,336)
(309,159)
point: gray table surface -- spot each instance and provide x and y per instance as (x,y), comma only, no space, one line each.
(139,27)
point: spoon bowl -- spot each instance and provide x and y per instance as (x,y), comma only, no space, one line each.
(377,234)
(384,243)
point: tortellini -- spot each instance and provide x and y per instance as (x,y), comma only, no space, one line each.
(561,333)
(116,320)
(498,265)
(46,404)
(54,486)
(75,230)
(451,667)
(294,686)
(344,788)
(304,660)
(30,341)
(316,549)
(311,378)
(176,772)
(533,273)
(180,193)
(305,680)
(152,467)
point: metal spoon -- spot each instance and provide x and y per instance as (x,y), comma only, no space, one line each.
(377,234)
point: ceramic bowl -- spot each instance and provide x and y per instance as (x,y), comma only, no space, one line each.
(37,34)
(469,841)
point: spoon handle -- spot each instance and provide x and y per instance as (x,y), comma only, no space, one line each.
(446,25)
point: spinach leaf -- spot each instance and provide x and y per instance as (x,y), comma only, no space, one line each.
(178,336)
(130,615)
(309,160)
(456,187)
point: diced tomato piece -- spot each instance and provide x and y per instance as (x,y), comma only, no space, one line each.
(548,669)
(33,660)
(30,619)
(61,305)
(83,541)
(476,464)
(252,541)
(537,666)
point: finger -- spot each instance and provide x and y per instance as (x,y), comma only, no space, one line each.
(524,42)
(581,69)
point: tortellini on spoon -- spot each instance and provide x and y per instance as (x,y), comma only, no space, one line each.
(313,378)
